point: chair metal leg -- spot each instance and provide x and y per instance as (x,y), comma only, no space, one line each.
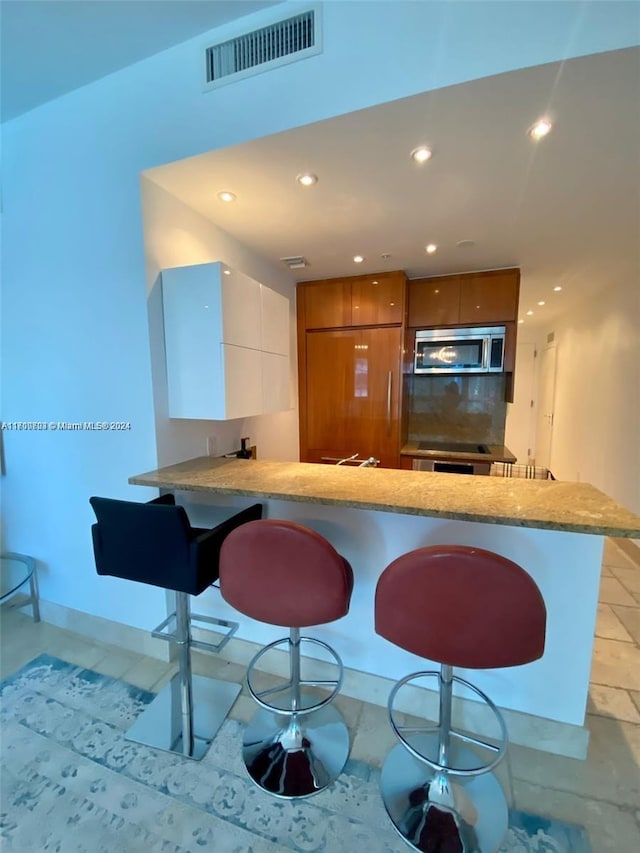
(186,715)
(431,806)
(298,751)
(35,599)
(183,641)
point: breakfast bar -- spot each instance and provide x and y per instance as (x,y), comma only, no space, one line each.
(554,530)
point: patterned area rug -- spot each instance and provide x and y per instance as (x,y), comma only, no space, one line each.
(71,782)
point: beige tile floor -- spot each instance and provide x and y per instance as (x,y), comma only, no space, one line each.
(602,792)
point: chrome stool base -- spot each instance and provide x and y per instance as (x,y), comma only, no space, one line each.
(296,756)
(425,804)
(185,717)
(161,724)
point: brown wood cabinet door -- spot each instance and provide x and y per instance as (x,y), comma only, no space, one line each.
(490,297)
(352,394)
(327,304)
(377,299)
(434,301)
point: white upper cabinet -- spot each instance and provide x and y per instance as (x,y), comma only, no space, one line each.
(276,395)
(226,343)
(241,309)
(275,322)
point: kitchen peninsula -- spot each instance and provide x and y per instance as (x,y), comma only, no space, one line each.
(554,530)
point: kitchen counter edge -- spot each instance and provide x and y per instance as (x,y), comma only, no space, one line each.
(543,504)
(496,453)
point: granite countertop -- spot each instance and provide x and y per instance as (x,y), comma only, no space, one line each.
(546,504)
(497,453)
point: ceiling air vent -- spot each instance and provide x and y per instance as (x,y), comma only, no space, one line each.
(281,42)
(296,263)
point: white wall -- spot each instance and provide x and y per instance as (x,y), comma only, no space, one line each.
(75,335)
(519,434)
(596,434)
(175,235)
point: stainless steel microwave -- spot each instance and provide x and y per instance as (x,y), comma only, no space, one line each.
(479,350)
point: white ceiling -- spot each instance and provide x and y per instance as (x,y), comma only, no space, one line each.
(50,47)
(565,210)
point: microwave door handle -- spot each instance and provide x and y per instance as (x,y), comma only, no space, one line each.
(486,353)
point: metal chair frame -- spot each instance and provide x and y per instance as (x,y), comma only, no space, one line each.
(297,751)
(444,727)
(295,683)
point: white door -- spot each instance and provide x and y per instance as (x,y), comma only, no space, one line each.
(545,406)
(520,426)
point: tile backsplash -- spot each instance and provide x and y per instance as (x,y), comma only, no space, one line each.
(456,408)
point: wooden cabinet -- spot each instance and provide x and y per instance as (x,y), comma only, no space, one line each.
(434,301)
(351,398)
(226,344)
(326,304)
(489,297)
(365,300)
(350,333)
(377,300)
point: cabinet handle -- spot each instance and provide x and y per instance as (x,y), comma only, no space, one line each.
(338,459)
(389,381)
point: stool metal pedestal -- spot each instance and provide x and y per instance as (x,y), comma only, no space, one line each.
(298,750)
(284,574)
(187,714)
(464,607)
(434,786)
(155,543)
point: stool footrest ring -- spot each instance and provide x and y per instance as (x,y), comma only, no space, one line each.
(401,731)
(335,684)
(172,636)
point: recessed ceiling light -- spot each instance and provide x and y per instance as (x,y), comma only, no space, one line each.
(226,196)
(358,259)
(375,282)
(541,302)
(421,154)
(557,288)
(465,244)
(307,179)
(227,272)
(540,128)
(431,248)
(521,320)
(529,313)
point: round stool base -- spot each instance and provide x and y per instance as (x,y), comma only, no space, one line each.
(475,811)
(295,756)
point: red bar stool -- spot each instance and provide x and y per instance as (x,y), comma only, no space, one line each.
(284,574)
(464,607)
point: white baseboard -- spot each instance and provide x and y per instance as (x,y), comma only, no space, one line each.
(105,630)
(524,729)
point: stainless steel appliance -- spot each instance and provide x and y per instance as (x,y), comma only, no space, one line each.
(479,350)
(453,458)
